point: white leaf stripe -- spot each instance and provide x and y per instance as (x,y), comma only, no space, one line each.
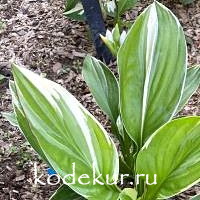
(152,34)
(81,115)
(152,58)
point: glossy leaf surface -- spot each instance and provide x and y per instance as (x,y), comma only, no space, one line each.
(152,65)
(191,85)
(10,116)
(128,194)
(67,134)
(173,154)
(103,86)
(23,123)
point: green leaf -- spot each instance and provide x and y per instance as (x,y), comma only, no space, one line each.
(173,154)
(23,123)
(67,134)
(110,44)
(109,7)
(70,4)
(128,194)
(185,2)
(152,67)
(196,197)
(65,193)
(10,116)
(191,85)
(76,12)
(103,86)
(2,77)
(116,34)
(124,5)
(120,127)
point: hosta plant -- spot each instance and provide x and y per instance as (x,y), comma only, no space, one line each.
(116,8)
(112,8)
(161,154)
(114,39)
(74,10)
